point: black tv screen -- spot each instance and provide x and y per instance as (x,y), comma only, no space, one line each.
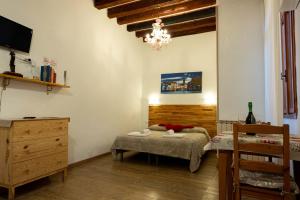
(15,36)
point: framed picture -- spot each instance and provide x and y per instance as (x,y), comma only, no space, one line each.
(181,83)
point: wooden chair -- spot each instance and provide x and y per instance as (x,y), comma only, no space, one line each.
(275,150)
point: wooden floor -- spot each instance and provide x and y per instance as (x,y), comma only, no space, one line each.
(132,179)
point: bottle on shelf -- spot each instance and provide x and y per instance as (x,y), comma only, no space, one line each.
(34,69)
(65,78)
(250,118)
(48,73)
(43,75)
(53,72)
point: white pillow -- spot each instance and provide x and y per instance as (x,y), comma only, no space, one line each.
(194,130)
(156,127)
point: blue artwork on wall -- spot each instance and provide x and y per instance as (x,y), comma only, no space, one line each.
(181,83)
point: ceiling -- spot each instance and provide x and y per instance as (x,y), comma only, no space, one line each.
(181,17)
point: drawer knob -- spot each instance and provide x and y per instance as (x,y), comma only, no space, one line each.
(27,132)
(57,139)
(26,147)
(27,171)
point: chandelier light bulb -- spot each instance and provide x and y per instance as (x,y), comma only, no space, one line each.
(159,36)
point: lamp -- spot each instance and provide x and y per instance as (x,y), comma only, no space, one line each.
(159,37)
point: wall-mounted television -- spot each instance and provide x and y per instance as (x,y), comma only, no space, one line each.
(15,36)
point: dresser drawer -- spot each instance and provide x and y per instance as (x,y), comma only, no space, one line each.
(31,169)
(30,149)
(30,130)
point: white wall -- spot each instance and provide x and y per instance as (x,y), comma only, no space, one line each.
(295,124)
(104,66)
(273,83)
(241,58)
(184,54)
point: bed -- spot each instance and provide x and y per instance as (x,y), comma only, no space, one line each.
(189,146)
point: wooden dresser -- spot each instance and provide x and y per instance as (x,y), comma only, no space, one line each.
(32,149)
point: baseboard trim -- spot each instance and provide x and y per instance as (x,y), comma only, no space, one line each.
(76,164)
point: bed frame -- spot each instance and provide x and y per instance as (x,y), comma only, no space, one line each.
(194,115)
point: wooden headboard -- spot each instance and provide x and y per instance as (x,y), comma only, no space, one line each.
(194,115)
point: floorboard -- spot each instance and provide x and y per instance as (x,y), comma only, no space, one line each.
(132,179)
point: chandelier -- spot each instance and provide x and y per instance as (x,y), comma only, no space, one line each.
(159,37)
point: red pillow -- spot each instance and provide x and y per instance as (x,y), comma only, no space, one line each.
(176,128)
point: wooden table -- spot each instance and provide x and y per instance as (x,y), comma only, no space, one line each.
(224,145)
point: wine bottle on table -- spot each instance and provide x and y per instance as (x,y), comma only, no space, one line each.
(250,118)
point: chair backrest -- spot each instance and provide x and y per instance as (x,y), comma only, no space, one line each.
(262,149)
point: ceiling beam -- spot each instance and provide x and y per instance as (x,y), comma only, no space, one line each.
(183,26)
(141,6)
(197,15)
(192,31)
(101,4)
(174,10)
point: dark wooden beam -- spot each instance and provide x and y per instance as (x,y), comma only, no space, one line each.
(101,4)
(208,22)
(197,15)
(141,6)
(192,31)
(174,10)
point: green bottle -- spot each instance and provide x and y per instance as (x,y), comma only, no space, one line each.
(250,118)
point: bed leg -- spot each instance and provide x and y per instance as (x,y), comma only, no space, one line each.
(121,156)
(149,158)
(156,159)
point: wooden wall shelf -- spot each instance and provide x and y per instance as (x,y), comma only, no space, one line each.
(7,78)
